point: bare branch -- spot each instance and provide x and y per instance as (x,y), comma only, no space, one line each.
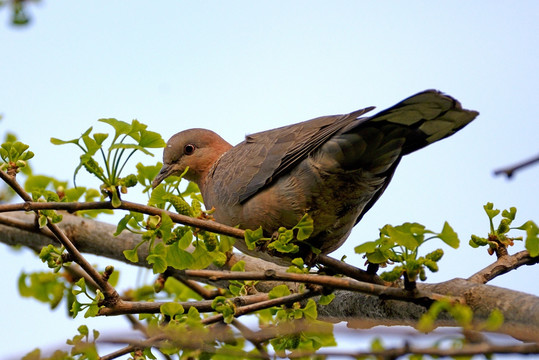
(509,171)
(153,307)
(503,265)
(332,282)
(250,335)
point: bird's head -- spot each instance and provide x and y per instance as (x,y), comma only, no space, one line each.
(197,149)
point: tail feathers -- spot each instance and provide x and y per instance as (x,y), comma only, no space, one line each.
(430,115)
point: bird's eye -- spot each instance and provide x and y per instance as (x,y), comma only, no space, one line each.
(189,149)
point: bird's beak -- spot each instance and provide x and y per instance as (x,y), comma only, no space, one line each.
(165,172)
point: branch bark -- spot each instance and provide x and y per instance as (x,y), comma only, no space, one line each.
(521,311)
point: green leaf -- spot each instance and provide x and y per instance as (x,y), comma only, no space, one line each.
(172,309)
(158,196)
(37,182)
(56,141)
(100,138)
(378,256)
(83,330)
(130,146)
(116,201)
(157,258)
(192,188)
(239,266)
(147,172)
(185,240)
(166,226)
(279,291)
(511,214)
(93,309)
(75,308)
(225,307)
(122,225)
(489,209)
(131,255)
(326,299)
(401,238)
(82,285)
(121,127)
(449,236)
(367,247)
(151,139)
(33,355)
(42,221)
(252,236)
(310,311)
(305,227)
(91,145)
(226,243)
(179,258)
(494,320)
(532,237)
(74,194)
(202,257)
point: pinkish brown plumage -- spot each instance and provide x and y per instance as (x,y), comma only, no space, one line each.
(332,167)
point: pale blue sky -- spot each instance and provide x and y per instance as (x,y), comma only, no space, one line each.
(241,67)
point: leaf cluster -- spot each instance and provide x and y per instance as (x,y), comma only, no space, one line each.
(168,243)
(116,156)
(286,241)
(498,239)
(299,330)
(463,315)
(400,245)
(14,155)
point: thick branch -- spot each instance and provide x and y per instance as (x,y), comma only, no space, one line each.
(521,311)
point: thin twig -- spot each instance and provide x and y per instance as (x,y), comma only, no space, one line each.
(332,282)
(247,309)
(243,310)
(509,171)
(350,270)
(137,325)
(503,265)
(109,291)
(249,335)
(206,294)
(23,225)
(144,307)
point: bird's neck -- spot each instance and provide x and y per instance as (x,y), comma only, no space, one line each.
(218,150)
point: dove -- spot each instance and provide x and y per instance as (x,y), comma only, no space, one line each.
(333,168)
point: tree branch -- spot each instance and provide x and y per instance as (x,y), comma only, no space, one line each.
(336,265)
(509,171)
(503,265)
(466,350)
(144,307)
(331,282)
(109,291)
(521,311)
